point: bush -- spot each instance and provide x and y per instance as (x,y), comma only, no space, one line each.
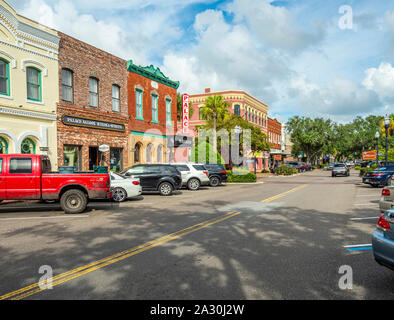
(365,170)
(249,177)
(265,171)
(357,168)
(286,170)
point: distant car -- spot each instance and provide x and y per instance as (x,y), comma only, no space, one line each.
(296,165)
(329,167)
(340,169)
(123,188)
(379,177)
(304,167)
(216,173)
(387,200)
(383,240)
(310,167)
(156,177)
(194,175)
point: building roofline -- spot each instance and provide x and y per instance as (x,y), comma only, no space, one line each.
(226,92)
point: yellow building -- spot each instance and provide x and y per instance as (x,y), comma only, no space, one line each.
(29,85)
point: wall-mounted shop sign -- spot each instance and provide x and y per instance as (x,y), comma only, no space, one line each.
(95,124)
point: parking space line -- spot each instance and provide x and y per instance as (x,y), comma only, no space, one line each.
(39,218)
(367,218)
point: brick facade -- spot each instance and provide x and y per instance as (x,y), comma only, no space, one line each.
(148,138)
(85,61)
(275,133)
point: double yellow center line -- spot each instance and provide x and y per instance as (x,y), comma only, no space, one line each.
(78,272)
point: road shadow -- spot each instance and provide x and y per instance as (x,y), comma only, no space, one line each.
(267,252)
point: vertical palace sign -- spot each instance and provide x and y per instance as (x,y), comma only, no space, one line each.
(185,118)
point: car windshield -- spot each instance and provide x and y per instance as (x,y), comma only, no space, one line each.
(339,165)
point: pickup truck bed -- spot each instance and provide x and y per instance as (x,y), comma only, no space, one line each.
(29,177)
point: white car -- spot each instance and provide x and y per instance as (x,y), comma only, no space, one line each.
(124,188)
(194,175)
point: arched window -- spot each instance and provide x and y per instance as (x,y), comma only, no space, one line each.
(28,146)
(4,77)
(237,110)
(3,146)
(160,154)
(33,84)
(137,153)
(201,115)
(149,149)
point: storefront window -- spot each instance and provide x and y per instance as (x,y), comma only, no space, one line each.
(116,161)
(72,156)
(28,146)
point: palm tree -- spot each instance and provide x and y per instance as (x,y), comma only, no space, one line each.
(214,108)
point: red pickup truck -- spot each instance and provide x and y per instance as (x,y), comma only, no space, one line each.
(29,177)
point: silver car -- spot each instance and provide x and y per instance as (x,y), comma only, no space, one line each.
(340,169)
(387,200)
(383,240)
(194,175)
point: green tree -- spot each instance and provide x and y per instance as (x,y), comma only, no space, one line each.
(179,106)
(215,109)
(314,137)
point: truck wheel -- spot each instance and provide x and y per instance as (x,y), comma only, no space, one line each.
(73,202)
(214,181)
(1,201)
(166,189)
(194,184)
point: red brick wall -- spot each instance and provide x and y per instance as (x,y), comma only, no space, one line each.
(275,127)
(87,61)
(134,80)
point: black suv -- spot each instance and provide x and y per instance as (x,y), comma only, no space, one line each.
(216,174)
(156,177)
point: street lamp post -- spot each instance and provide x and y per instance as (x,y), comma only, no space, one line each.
(386,122)
(237,131)
(377,136)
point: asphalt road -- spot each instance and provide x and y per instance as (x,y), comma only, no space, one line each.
(284,238)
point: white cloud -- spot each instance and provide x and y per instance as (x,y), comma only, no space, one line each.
(381,81)
(275,25)
(338,97)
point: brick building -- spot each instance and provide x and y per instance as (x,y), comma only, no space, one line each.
(275,140)
(241,104)
(93,106)
(152,104)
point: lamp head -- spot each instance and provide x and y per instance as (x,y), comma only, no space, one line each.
(386,121)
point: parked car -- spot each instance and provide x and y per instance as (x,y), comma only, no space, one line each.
(387,200)
(216,173)
(194,175)
(340,169)
(329,167)
(379,177)
(296,165)
(383,240)
(304,166)
(30,177)
(163,178)
(124,188)
(310,167)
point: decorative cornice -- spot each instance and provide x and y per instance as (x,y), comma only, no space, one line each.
(29,51)
(152,73)
(27,114)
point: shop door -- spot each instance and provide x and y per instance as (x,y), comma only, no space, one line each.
(93,157)
(116,159)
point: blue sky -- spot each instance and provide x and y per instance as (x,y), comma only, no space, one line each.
(292,55)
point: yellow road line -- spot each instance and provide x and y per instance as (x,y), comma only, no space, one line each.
(78,272)
(67,276)
(284,193)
